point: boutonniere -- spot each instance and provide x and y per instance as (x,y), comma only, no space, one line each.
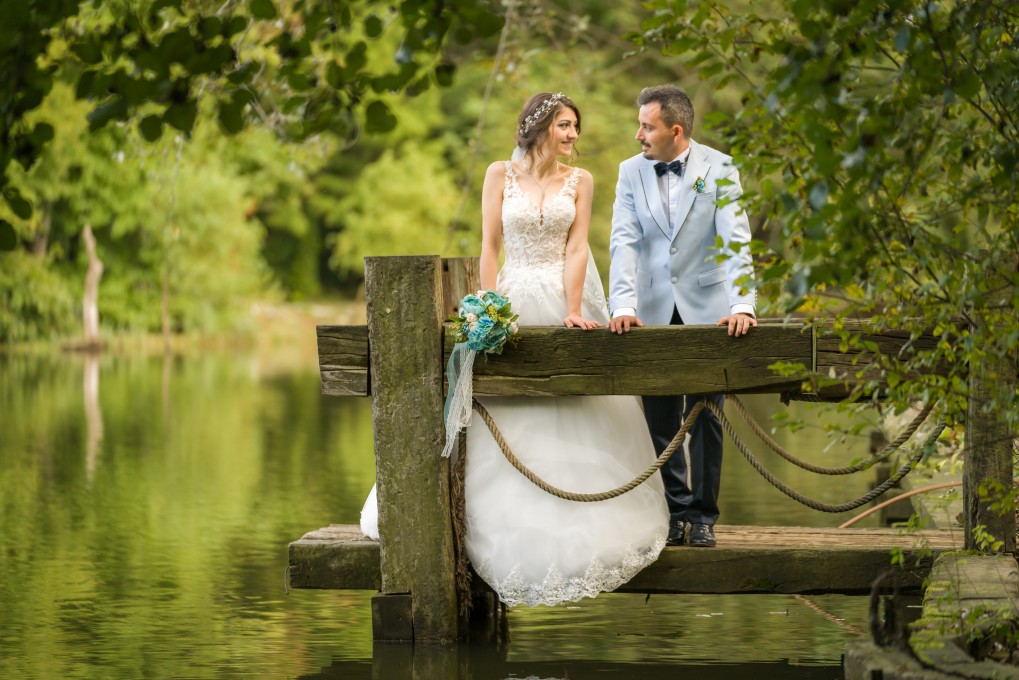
(698,185)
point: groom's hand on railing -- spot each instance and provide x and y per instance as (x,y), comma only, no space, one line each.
(621,324)
(739,323)
(577,321)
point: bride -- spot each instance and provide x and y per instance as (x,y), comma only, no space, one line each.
(531,547)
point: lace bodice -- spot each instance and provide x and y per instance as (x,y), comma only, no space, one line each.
(535,236)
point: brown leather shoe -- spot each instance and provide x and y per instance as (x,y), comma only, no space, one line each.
(702,536)
(677,532)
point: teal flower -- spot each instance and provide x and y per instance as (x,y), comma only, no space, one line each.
(472,304)
(485,322)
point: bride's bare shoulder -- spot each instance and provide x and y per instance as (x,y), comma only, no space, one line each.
(496,170)
(584,177)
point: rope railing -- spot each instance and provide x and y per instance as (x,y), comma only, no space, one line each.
(741,446)
(886,452)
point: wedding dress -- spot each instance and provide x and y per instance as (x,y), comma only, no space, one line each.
(529,546)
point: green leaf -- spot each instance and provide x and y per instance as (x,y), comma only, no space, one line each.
(41,133)
(373,26)
(85,82)
(356,58)
(262,9)
(210,26)
(444,74)
(176,46)
(231,115)
(237,24)
(8,237)
(114,108)
(334,75)
(19,206)
(243,73)
(88,50)
(181,115)
(151,128)
(378,118)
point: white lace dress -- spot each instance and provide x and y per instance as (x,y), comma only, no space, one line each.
(531,547)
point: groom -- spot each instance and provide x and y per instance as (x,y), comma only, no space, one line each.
(665,221)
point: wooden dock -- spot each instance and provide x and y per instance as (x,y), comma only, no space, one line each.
(747,559)
(397,360)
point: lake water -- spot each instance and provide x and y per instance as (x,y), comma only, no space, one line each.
(146,504)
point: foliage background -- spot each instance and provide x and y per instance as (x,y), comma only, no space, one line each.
(287,208)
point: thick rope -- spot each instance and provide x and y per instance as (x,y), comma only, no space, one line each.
(588,497)
(816,505)
(674,444)
(741,409)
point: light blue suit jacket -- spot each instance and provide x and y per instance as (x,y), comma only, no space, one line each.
(651,271)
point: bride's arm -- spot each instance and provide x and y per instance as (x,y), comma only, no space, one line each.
(491,224)
(576,255)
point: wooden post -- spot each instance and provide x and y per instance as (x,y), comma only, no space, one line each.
(405,338)
(989,441)
(460,276)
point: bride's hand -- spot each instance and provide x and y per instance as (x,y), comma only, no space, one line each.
(577,321)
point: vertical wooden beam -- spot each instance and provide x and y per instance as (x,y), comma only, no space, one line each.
(404,299)
(460,276)
(988,463)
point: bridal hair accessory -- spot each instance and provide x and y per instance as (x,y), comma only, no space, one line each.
(698,185)
(485,324)
(540,112)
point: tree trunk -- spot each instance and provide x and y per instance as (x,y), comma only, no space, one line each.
(93,413)
(41,240)
(165,308)
(90,299)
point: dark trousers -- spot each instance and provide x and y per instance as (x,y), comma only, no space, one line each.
(691,491)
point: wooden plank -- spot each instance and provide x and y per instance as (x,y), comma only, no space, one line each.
(405,343)
(553,360)
(748,559)
(316,563)
(654,360)
(343,360)
(850,364)
(550,360)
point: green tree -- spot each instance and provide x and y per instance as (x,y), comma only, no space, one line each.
(882,139)
(301,67)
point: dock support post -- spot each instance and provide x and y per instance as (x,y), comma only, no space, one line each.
(989,438)
(404,300)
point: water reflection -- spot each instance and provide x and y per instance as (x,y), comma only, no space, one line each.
(146,504)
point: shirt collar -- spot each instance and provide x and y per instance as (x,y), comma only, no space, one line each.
(681,157)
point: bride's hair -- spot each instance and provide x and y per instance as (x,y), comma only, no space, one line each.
(537,114)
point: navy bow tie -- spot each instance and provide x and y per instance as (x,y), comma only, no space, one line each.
(674,166)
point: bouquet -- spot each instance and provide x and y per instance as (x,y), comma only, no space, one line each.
(485,322)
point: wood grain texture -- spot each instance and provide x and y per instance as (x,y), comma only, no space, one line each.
(343,360)
(748,559)
(405,341)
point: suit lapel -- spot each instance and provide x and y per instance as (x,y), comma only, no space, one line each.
(697,166)
(649,181)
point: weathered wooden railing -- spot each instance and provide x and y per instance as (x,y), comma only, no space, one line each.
(398,360)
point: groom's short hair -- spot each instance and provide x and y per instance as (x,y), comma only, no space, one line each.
(676,107)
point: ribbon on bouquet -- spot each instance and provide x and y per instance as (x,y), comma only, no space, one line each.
(457,410)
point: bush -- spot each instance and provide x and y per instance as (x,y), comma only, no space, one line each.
(35,303)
